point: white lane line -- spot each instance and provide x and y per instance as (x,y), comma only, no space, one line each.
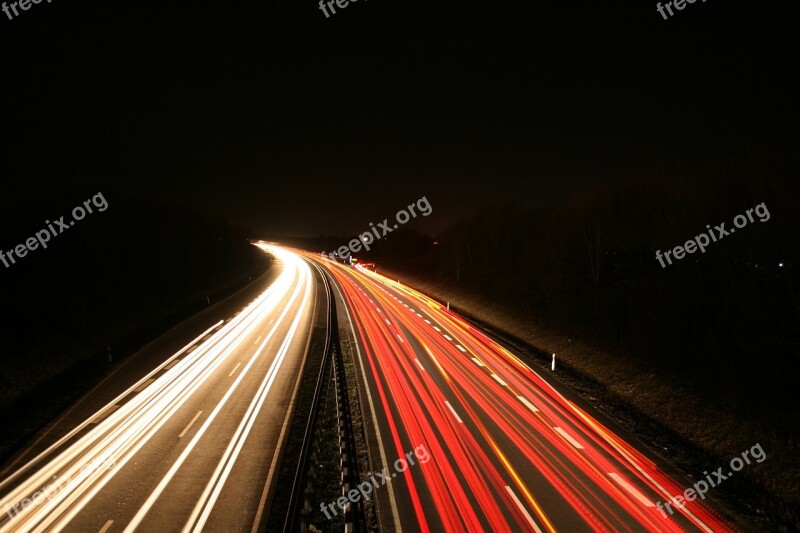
(106,526)
(104,414)
(630,488)
(525,512)
(378,309)
(460,347)
(635,465)
(448,337)
(569,438)
(453,411)
(400,338)
(208,498)
(277,452)
(427,321)
(478,362)
(420,365)
(258,339)
(500,381)
(190,424)
(144,385)
(392,500)
(387,321)
(235,368)
(159,489)
(528,404)
(419,315)
(437,329)
(82,425)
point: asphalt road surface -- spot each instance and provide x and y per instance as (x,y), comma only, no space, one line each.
(193,444)
(507,451)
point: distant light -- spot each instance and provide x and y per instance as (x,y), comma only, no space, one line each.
(355,260)
(780,265)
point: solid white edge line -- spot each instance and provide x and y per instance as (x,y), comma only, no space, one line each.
(155,494)
(208,499)
(105,414)
(144,385)
(88,421)
(392,500)
(76,507)
(697,521)
(289,412)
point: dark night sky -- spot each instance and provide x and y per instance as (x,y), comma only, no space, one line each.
(272,116)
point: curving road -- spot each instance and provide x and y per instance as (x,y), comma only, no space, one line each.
(194,444)
(508,452)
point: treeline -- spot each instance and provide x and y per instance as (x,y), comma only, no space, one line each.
(137,266)
(727,320)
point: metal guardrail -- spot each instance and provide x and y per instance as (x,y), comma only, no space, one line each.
(355,519)
(299,507)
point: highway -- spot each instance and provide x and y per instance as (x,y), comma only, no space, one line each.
(508,452)
(192,446)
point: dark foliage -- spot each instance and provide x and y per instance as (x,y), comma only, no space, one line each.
(727,320)
(112,274)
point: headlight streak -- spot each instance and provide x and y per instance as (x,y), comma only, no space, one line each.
(289,260)
(155,413)
(118,437)
(214,486)
(89,420)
